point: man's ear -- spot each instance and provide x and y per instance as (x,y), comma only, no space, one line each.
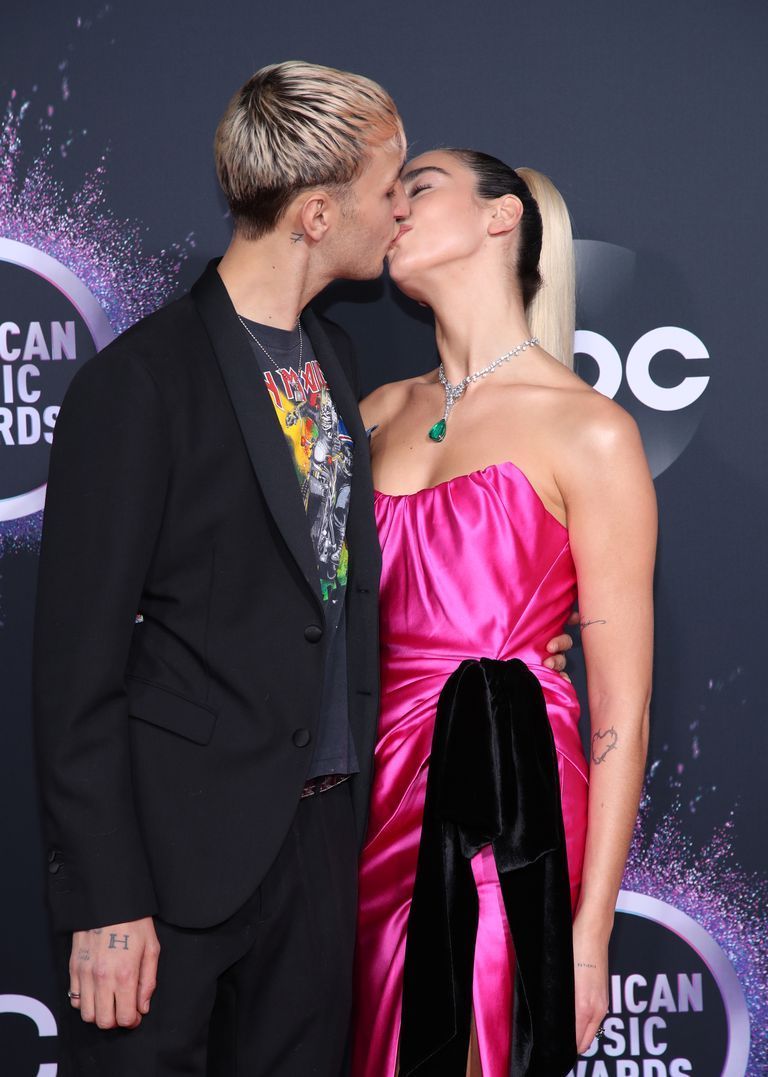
(317,212)
(506,215)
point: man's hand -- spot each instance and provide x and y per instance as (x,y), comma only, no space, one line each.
(113,970)
(559,647)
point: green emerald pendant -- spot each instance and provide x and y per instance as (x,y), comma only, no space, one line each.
(437,433)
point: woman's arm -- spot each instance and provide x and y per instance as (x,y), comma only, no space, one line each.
(611,509)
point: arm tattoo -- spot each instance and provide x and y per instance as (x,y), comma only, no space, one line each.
(586,624)
(603,742)
(296,237)
(585,965)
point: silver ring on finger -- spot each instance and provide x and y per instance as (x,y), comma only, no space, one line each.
(72,994)
(600,1031)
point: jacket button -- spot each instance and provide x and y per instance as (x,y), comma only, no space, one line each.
(301,738)
(54,867)
(313,633)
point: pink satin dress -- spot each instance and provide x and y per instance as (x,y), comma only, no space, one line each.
(476,567)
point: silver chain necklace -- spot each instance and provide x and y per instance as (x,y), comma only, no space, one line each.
(298,405)
(454,393)
(257,341)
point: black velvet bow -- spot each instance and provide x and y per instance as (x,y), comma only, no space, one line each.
(493,779)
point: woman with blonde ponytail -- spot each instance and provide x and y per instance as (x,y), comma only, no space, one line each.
(507,487)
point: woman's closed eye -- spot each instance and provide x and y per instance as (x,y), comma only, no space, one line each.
(419,187)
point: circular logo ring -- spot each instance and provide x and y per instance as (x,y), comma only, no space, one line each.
(717,962)
(89,309)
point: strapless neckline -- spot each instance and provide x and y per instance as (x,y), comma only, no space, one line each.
(468,476)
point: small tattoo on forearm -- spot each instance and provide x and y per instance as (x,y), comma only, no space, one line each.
(83,955)
(97,931)
(115,941)
(296,237)
(603,742)
(585,965)
(586,624)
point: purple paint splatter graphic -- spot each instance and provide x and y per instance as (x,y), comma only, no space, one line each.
(79,230)
(706,883)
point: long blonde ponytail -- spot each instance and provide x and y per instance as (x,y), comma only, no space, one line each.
(552,311)
(545,258)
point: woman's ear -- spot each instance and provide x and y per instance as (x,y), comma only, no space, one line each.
(506,215)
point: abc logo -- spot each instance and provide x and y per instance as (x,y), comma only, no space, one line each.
(665,370)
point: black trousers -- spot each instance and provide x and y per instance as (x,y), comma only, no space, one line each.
(268,992)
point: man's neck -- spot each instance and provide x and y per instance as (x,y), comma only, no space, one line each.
(269,280)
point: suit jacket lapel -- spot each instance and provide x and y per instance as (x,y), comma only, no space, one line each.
(255,413)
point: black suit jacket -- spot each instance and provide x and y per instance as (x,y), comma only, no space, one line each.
(172,751)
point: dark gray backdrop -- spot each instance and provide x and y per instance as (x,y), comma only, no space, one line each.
(649,117)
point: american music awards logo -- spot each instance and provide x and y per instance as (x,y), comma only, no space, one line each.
(676,1007)
(49,325)
(72,275)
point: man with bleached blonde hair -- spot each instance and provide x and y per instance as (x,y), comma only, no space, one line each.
(205,729)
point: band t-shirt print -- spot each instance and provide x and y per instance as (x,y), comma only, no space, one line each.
(321,449)
(320,446)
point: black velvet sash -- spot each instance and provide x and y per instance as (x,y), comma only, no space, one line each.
(493,779)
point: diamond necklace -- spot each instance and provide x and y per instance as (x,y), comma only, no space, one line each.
(257,341)
(454,393)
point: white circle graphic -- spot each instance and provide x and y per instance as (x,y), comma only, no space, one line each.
(89,309)
(44,1021)
(723,973)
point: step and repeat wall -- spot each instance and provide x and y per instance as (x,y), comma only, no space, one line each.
(649,118)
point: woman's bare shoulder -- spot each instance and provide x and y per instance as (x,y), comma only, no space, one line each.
(582,425)
(596,436)
(600,426)
(388,400)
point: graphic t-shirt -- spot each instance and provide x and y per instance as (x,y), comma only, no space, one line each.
(321,449)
